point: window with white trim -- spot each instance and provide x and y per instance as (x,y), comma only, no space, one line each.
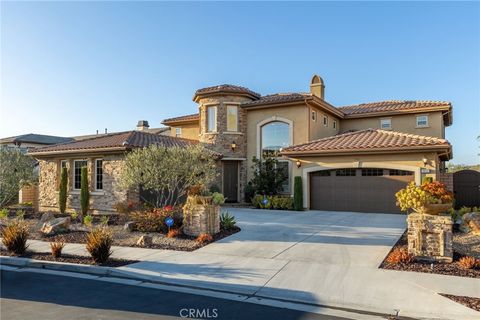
(314,116)
(98,174)
(212,119)
(386,124)
(232,118)
(422,121)
(325,121)
(77,173)
(178,132)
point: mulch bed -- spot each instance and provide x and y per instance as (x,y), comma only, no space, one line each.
(69,258)
(473,303)
(128,239)
(451,269)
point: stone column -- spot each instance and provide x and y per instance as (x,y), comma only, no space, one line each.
(430,237)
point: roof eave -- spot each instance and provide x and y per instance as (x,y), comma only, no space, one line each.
(196,98)
(311,153)
(77,151)
(177,122)
(395,112)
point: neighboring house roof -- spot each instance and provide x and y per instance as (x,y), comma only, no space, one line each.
(187,118)
(120,141)
(225,88)
(35,138)
(368,140)
(161,131)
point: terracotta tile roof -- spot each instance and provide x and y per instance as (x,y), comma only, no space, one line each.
(392,105)
(369,140)
(278,98)
(115,141)
(227,88)
(189,117)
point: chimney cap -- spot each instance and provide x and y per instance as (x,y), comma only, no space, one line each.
(142,123)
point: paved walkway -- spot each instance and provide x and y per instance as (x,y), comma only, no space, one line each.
(327,258)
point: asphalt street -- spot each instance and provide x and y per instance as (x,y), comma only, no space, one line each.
(36,296)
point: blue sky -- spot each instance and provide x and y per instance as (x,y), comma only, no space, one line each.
(73,68)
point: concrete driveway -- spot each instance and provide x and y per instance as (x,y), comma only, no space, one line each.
(317,257)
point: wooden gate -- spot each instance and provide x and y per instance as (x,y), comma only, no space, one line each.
(466,186)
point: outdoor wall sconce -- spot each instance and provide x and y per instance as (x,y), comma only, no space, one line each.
(298,163)
(425,161)
(233,146)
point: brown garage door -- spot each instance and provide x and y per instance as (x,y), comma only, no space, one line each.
(361,190)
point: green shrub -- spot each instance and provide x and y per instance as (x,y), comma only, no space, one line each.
(104,220)
(427,180)
(62,193)
(20,214)
(214,188)
(4,213)
(74,215)
(99,242)
(15,235)
(87,220)
(273,202)
(84,193)
(218,198)
(227,221)
(297,194)
(249,192)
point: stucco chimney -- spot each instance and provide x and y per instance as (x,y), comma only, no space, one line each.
(317,87)
(142,125)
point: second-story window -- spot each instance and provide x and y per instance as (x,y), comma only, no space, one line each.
(212,119)
(325,121)
(385,124)
(314,116)
(334,124)
(422,121)
(178,132)
(232,118)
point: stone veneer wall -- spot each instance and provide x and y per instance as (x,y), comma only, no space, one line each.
(446,178)
(430,237)
(222,140)
(102,201)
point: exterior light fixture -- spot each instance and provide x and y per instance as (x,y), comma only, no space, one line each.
(425,161)
(233,146)
(298,163)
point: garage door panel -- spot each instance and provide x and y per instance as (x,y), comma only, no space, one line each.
(356,193)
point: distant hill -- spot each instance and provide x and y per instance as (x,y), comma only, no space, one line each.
(457,167)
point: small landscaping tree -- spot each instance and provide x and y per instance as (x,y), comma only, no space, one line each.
(62,193)
(84,193)
(297,194)
(168,173)
(268,177)
(16,170)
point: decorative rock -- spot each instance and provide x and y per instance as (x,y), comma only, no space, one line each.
(47,216)
(55,226)
(471,223)
(129,226)
(78,227)
(145,241)
(430,237)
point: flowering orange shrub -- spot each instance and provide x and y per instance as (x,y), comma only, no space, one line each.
(173,233)
(439,191)
(399,255)
(204,238)
(467,262)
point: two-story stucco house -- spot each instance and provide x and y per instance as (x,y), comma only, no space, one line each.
(351,158)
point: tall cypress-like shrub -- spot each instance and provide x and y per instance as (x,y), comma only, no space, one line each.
(62,194)
(84,193)
(297,194)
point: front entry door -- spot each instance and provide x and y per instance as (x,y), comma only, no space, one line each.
(230,181)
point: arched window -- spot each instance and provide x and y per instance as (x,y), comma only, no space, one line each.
(274,136)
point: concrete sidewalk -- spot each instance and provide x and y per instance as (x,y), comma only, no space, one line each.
(323,258)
